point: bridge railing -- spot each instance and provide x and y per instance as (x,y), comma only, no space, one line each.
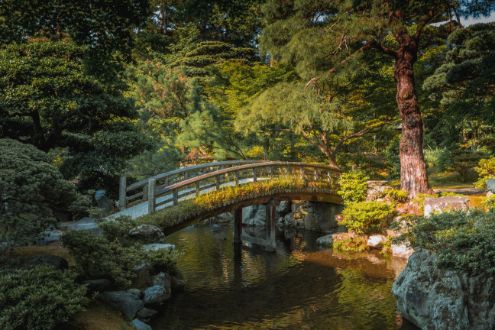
(137,192)
(160,196)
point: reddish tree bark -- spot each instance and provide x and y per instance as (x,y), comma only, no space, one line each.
(413,175)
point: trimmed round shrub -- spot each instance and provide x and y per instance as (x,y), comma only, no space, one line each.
(397,195)
(367,217)
(39,298)
(97,257)
(33,193)
(353,187)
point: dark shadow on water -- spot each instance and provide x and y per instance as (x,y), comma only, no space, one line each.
(295,287)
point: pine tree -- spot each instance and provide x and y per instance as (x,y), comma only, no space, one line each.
(393,28)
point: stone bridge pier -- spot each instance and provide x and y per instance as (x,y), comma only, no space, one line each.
(270,221)
(261,220)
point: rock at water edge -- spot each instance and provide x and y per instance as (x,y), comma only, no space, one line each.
(140,325)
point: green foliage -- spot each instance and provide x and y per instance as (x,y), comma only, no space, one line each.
(39,298)
(486,171)
(118,229)
(97,257)
(367,217)
(105,25)
(48,98)
(174,216)
(114,256)
(164,260)
(33,193)
(462,241)
(397,195)
(353,187)
(353,243)
(489,202)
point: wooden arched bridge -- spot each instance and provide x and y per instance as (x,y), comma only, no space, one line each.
(171,188)
(296,181)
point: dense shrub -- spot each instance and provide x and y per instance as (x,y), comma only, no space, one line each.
(462,241)
(33,192)
(164,260)
(187,210)
(367,217)
(353,187)
(39,298)
(97,257)
(485,170)
(489,202)
(118,229)
(397,195)
(116,260)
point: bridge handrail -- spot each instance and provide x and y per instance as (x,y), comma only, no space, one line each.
(156,191)
(210,175)
(124,188)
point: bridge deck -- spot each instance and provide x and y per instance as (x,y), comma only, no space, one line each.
(171,188)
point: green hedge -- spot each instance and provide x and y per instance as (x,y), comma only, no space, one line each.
(367,217)
(39,298)
(461,240)
(353,186)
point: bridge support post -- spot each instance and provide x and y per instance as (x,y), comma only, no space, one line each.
(271,220)
(151,195)
(123,192)
(237,225)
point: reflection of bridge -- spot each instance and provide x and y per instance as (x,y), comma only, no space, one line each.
(171,188)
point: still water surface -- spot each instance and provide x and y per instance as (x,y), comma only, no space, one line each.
(299,286)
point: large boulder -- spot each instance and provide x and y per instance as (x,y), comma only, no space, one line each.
(126,302)
(147,233)
(445,204)
(254,215)
(435,298)
(376,241)
(401,250)
(156,295)
(490,185)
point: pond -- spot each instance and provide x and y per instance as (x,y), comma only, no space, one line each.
(298,286)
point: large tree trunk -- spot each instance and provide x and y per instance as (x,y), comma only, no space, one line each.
(413,176)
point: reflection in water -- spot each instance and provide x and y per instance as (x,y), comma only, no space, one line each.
(296,287)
